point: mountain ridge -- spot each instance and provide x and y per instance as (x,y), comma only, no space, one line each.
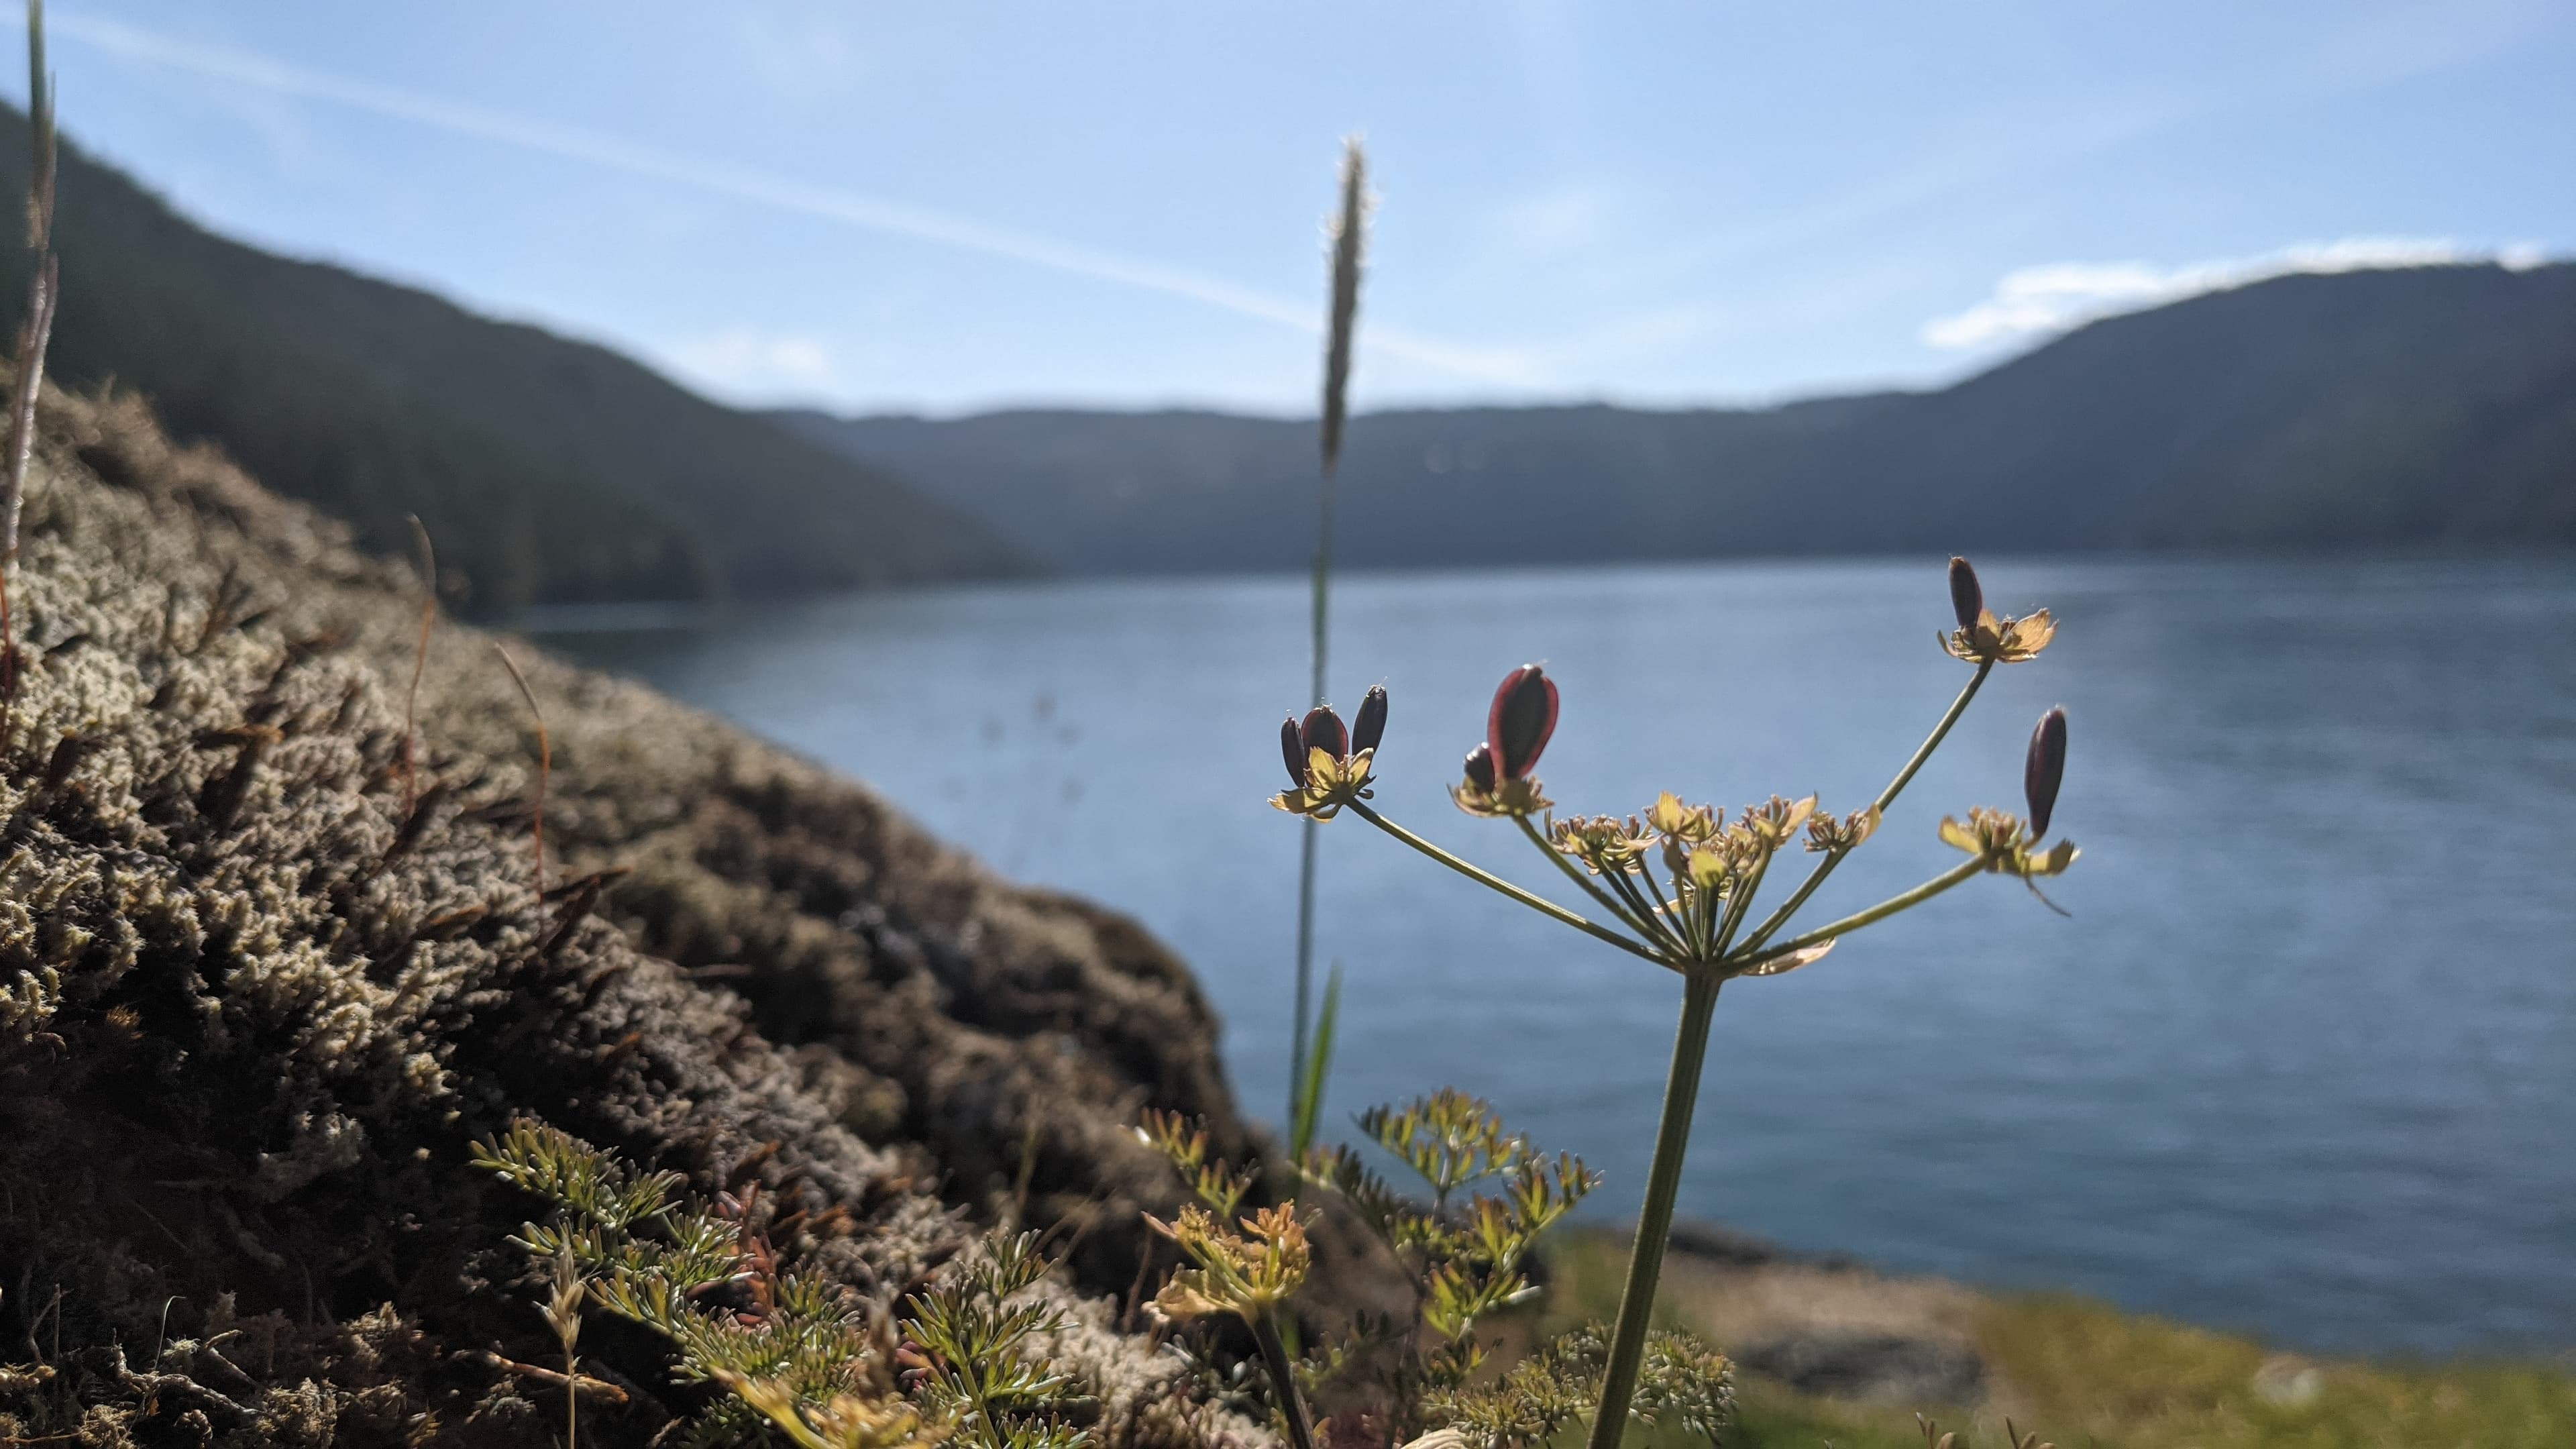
(547,468)
(2421,407)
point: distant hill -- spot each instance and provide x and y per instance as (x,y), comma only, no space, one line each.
(2432,407)
(548,470)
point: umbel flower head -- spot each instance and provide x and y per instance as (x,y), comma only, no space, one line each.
(1328,762)
(1244,1273)
(1606,844)
(1828,835)
(2002,841)
(1517,727)
(1981,638)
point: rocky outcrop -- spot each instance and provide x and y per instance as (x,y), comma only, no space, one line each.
(265,985)
(1827,1324)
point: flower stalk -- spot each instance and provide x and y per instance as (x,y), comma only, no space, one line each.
(1692,919)
(1663,1190)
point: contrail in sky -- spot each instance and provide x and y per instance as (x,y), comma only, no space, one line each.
(830,203)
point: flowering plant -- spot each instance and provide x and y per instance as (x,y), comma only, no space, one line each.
(1694,918)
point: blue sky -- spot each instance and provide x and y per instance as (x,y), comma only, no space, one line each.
(956,205)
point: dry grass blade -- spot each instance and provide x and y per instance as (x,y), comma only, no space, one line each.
(35,331)
(545,765)
(424,558)
(40,119)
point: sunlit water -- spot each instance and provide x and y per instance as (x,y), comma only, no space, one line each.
(2302,1060)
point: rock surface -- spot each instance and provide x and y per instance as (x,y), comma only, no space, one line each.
(261,988)
(1828,1324)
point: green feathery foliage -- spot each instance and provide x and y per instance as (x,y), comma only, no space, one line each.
(795,1352)
(968,1345)
(1464,1252)
(1464,1260)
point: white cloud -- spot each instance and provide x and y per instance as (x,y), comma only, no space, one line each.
(2039,301)
(742,360)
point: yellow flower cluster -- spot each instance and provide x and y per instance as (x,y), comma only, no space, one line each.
(1332,781)
(1244,1273)
(2006,845)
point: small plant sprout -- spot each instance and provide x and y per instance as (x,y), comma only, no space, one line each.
(1462,1251)
(563,1314)
(795,1353)
(1491,1195)
(1676,883)
(1247,1269)
(1935,1437)
(425,559)
(545,768)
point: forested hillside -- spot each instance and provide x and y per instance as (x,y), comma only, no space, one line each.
(548,470)
(2431,407)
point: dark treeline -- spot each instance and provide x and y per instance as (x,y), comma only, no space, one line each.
(547,470)
(2424,408)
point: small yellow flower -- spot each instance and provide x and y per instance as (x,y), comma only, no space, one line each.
(1685,824)
(1828,835)
(1332,781)
(1244,1273)
(845,1421)
(1989,640)
(1709,869)
(2006,845)
(1774,821)
(1503,800)
(1604,843)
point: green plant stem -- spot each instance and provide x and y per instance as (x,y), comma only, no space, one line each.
(1677,926)
(1655,925)
(1489,880)
(1283,1380)
(1655,1221)
(1825,867)
(1740,906)
(1305,966)
(1973,866)
(1581,880)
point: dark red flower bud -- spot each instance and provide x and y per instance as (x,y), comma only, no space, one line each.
(2046,766)
(1967,600)
(1480,767)
(1523,716)
(1324,730)
(1291,751)
(1370,725)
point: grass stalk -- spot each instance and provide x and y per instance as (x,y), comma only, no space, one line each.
(35,333)
(545,767)
(425,558)
(1348,236)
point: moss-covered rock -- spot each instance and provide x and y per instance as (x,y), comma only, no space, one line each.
(261,986)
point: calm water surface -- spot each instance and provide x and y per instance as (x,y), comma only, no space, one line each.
(2302,1061)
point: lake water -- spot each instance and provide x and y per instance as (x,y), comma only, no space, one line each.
(2302,1060)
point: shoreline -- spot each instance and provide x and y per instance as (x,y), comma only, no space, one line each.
(1830,1348)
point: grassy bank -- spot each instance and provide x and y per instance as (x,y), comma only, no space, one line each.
(2085,1374)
